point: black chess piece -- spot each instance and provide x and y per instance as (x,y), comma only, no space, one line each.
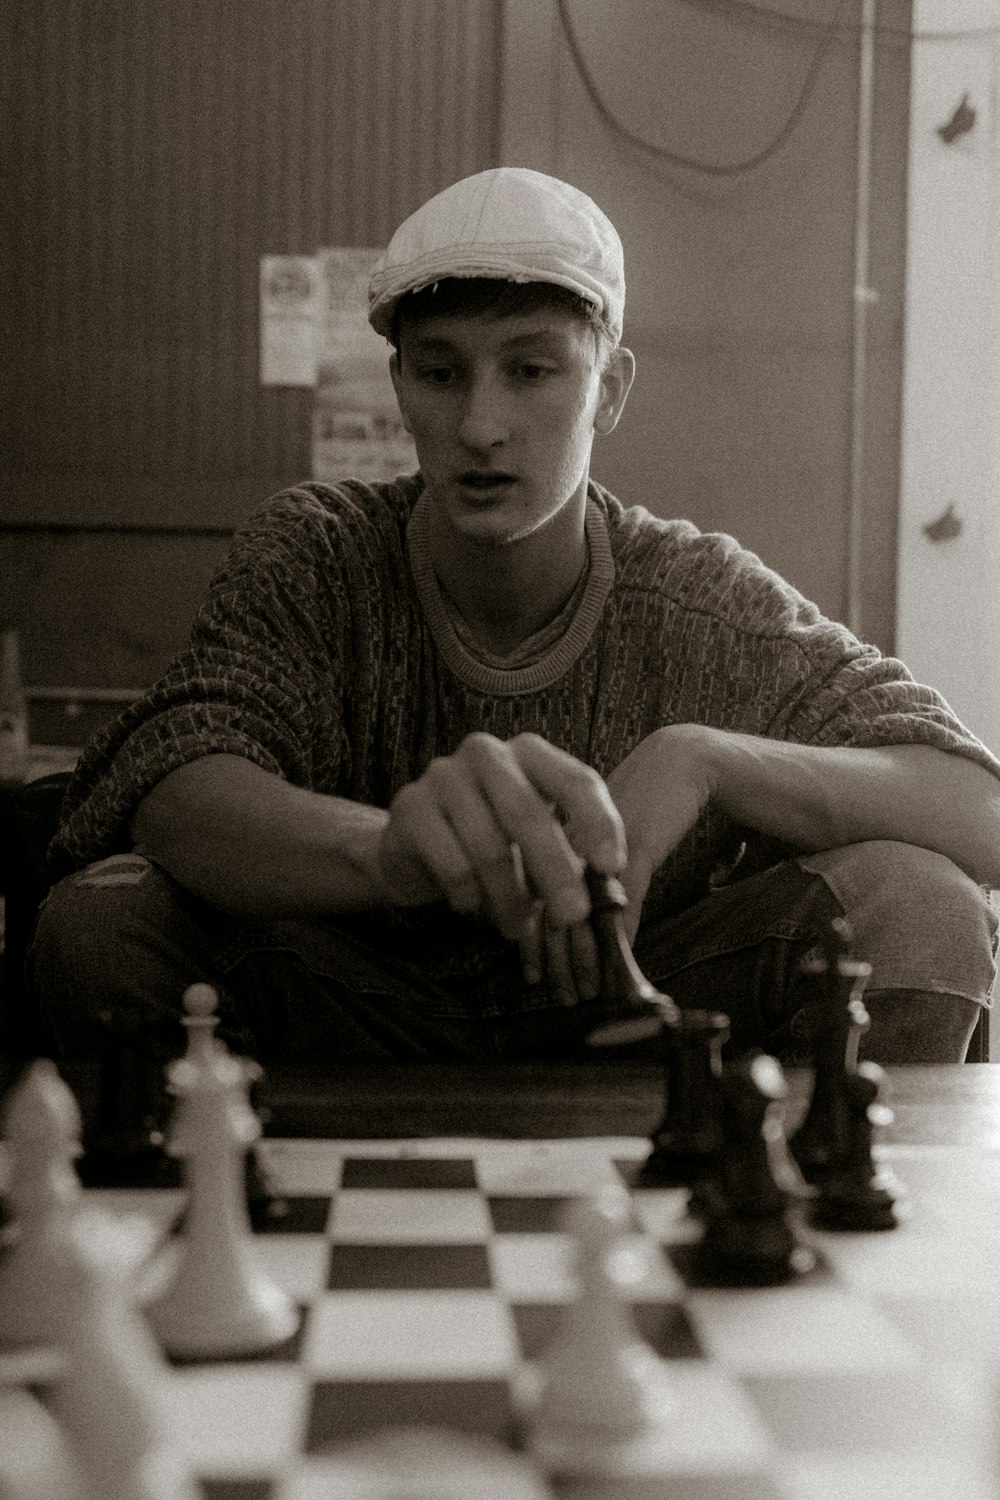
(839,1020)
(124,1143)
(860,1193)
(686,1140)
(629,1009)
(748,1199)
(267,1205)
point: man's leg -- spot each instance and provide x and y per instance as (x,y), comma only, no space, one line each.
(927,930)
(117,944)
(740,951)
(930,934)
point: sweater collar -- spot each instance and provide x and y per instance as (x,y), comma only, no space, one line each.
(556,656)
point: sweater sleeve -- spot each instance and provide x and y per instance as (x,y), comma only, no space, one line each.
(779,667)
(262,677)
(850,694)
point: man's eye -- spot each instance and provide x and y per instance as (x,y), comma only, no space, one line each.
(531,372)
(437,374)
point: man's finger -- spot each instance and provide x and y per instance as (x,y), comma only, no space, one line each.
(495,864)
(553,869)
(419,833)
(592,822)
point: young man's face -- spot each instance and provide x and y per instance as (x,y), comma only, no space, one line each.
(503,411)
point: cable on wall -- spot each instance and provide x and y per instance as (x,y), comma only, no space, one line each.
(785,21)
(831,29)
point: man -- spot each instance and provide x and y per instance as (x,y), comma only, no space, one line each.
(362,802)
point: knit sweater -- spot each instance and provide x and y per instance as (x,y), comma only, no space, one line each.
(324,651)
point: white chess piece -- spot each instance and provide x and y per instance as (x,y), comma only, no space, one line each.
(35,1460)
(218,1301)
(600,1387)
(41,1127)
(111,1398)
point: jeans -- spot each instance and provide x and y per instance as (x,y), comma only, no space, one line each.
(117,943)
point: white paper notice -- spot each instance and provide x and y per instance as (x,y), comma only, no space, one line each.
(357,429)
(291,312)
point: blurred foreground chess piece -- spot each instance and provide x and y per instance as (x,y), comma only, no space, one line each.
(35,1458)
(217,1301)
(600,1388)
(67,1312)
(112,1400)
(41,1130)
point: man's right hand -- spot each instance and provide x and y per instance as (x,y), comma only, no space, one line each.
(500,828)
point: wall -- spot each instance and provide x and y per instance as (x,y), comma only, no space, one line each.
(162,148)
(741,284)
(949,576)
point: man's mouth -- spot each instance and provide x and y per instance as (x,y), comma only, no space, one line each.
(485,480)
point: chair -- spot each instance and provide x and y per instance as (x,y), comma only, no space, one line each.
(29,816)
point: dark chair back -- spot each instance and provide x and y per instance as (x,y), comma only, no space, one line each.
(29,818)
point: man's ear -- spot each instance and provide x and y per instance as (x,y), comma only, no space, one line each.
(616,382)
(397,385)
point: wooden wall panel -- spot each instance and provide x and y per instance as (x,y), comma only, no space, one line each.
(162,147)
(741,293)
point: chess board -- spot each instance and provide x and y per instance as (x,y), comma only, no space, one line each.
(432,1273)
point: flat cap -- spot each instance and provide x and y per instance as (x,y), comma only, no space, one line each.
(511,224)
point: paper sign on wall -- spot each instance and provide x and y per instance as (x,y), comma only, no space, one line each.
(357,429)
(291,309)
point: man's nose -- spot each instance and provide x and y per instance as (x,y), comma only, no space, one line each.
(485,419)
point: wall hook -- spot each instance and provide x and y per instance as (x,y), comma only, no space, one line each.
(945,528)
(961,122)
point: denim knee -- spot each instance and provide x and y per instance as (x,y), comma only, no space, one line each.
(93,965)
(919,921)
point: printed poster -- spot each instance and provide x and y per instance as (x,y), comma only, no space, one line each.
(291,305)
(357,430)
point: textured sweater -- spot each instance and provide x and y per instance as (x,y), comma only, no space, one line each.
(325,651)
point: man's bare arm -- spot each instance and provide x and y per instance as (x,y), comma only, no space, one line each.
(249,842)
(812,797)
(493,829)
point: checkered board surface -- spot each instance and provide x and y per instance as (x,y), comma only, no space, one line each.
(432,1273)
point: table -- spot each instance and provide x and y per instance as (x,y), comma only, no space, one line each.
(932,1106)
(424,1244)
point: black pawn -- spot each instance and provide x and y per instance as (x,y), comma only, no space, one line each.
(859,1193)
(688,1136)
(839,1021)
(747,1200)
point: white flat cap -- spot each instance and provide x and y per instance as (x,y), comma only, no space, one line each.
(511,224)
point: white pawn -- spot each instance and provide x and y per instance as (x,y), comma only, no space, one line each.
(601,1388)
(217,1301)
(41,1126)
(111,1399)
